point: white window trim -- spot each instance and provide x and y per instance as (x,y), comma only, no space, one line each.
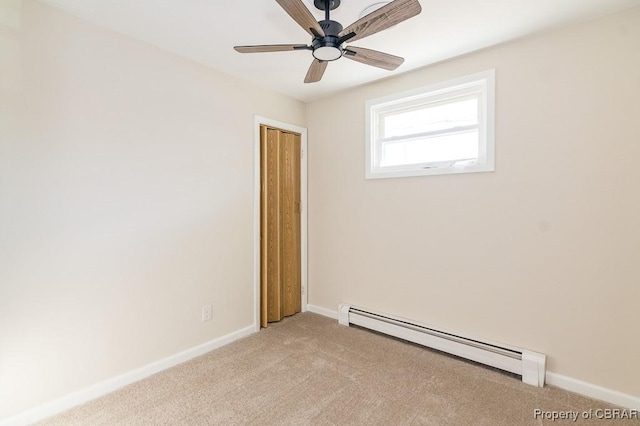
(446,88)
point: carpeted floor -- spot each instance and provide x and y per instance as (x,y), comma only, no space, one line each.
(309,370)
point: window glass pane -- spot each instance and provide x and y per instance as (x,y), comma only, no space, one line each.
(432,117)
(453,147)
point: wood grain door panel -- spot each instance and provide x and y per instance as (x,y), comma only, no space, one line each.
(280,270)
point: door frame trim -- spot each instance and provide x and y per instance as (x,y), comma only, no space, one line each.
(257,122)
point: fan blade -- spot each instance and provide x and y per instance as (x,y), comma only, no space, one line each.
(270,48)
(383,18)
(299,12)
(316,70)
(373,57)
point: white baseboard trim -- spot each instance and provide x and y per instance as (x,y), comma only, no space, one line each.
(593,391)
(74,399)
(323,311)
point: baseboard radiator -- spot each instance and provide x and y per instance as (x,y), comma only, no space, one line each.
(530,365)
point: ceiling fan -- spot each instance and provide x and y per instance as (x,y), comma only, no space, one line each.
(329,37)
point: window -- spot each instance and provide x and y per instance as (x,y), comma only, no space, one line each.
(441,129)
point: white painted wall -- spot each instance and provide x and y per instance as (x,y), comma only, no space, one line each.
(126,202)
(543,253)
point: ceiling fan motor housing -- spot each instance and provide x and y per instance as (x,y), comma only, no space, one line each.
(322,4)
(328,48)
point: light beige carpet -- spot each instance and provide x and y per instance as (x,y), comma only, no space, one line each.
(308,369)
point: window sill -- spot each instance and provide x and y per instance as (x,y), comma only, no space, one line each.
(383,174)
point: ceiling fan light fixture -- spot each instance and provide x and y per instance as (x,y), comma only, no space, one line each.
(327,53)
(329,37)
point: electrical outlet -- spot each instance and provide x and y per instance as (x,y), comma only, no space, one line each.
(206,313)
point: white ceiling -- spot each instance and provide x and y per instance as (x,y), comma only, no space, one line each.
(206,31)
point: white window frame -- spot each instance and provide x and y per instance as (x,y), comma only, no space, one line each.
(482,83)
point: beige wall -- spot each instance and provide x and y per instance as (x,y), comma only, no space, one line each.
(126,203)
(544,252)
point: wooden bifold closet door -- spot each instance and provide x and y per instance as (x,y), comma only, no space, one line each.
(280,259)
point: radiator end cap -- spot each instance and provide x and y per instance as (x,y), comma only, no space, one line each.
(343,314)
